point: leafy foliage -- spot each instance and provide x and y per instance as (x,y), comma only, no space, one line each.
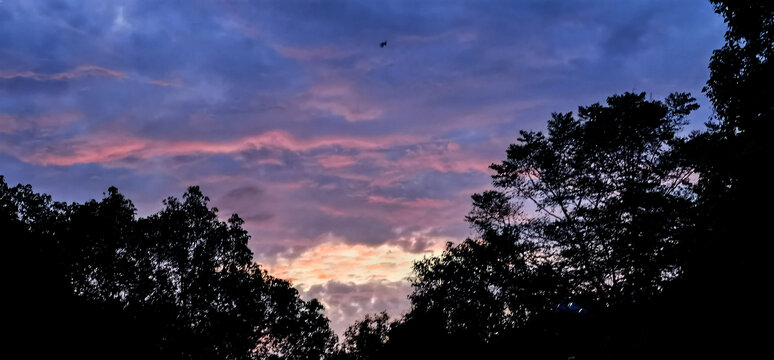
(177,284)
(366,339)
(728,260)
(591,214)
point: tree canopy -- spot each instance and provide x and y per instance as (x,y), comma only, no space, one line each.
(586,218)
(178,284)
(729,263)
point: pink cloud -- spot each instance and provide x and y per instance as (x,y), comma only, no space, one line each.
(441,157)
(104,147)
(351,113)
(383,200)
(418,203)
(330,210)
(414,222)
(11,123)
(176,83)
(461,35)
(310,54)
(269,162)
(444,158)
(78,72)
(342,99)
(336,161)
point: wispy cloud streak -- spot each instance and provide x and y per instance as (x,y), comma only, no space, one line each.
(75,73)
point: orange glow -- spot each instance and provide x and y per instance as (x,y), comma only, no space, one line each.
(354,263)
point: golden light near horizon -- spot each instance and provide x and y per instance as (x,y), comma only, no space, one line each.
(334,259)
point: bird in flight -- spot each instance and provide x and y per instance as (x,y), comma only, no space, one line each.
(383,44)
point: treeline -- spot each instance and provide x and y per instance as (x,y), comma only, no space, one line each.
(611,236)
(93,281)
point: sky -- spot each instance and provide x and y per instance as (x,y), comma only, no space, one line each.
(347,160)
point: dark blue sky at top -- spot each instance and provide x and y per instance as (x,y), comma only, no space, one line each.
(289,112)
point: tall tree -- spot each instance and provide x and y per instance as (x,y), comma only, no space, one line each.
(608,198)
(587,218)
(728,261)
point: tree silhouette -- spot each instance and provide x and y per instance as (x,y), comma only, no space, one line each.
(585,221)
(729,261)
(367,338)
(609,200)
(178,284)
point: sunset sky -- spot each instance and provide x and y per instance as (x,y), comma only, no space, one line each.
(347,160)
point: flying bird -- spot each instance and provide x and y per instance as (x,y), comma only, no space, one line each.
(383,44)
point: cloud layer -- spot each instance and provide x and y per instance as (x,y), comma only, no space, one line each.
(347,160)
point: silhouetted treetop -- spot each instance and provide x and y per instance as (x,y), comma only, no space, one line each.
(741,73)
(366,339)
(586,217)
(177,284)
